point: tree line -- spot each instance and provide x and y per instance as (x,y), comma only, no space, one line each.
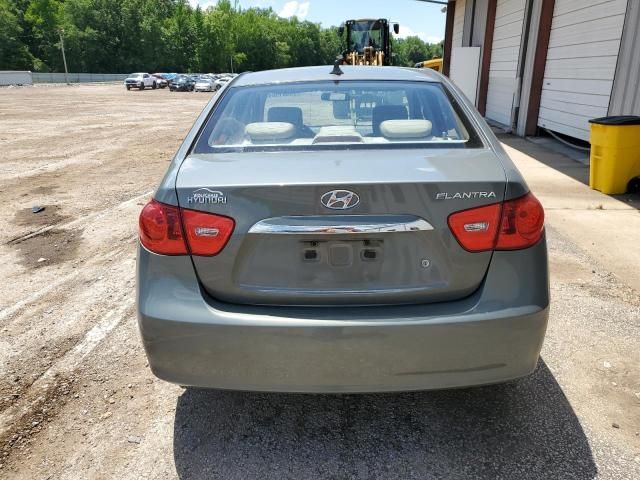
(108,36)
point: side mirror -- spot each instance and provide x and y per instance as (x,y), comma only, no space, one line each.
(396,28)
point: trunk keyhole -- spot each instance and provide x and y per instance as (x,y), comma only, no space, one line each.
(369,254)
(311,255)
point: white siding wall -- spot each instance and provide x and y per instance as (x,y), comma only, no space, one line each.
(503,71)
(581,64)
(458,24)
(625,98)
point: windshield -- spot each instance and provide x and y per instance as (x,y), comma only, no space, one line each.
(349,114)
(366,33)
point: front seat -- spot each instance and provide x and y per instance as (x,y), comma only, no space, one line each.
(387,112)
(290,115)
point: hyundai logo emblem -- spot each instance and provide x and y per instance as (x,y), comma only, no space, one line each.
(340,199)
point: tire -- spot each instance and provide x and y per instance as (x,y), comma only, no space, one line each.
(154,85)
(128,87)
(141,87)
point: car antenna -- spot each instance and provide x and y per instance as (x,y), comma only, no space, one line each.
(336,66)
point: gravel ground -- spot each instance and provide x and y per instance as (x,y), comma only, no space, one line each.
(77,399)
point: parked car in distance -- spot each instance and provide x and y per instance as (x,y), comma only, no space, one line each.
(359,232)
(182,83)
(204,84)
(140,80)
(162,83)
(221,82)
(168,76)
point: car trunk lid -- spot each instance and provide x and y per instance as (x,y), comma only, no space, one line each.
(298,240)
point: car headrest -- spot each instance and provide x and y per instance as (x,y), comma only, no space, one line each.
(387,112)
(405,129)
(270,131)
(285,114)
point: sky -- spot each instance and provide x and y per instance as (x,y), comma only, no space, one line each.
(415,17)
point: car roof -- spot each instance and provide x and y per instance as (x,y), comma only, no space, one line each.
(323,73)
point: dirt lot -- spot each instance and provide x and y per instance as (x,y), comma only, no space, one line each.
(78,401)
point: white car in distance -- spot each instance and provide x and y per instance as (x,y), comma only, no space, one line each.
(140,81)
(204,84)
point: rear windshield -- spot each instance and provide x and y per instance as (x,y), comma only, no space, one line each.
(336,115)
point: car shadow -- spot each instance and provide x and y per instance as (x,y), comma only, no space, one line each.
(523,429)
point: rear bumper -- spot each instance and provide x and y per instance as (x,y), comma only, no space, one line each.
(495,335)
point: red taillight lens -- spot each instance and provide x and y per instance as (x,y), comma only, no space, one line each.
(512,225)
(522,223)
(161,230)
(476,229)
(207,233)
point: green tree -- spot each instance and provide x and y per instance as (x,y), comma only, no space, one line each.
(331,45)
(14,53)
(41,16)
(169,35)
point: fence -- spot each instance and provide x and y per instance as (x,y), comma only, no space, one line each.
(14,77)
(39,77)
(29,78)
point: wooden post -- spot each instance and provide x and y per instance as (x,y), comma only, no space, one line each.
(539,64)
(487,48)
(448,37)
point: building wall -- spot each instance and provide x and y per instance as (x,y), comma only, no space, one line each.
(625,97)
(581,64)
(503,72)
(591,67)
(530,41)
(458,23)
(475,21)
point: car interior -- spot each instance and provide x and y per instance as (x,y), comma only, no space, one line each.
(298,116)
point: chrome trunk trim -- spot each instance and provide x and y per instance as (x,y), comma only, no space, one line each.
(340,224)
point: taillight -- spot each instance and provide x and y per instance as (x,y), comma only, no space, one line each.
(512,225)
(207,233)
(163,228)
(476,228)
(522,223)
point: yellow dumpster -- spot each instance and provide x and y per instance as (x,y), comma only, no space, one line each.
(615,153)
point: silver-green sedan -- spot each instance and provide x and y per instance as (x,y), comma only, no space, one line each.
(342,231)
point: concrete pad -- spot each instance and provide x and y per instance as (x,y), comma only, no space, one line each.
(606,228)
